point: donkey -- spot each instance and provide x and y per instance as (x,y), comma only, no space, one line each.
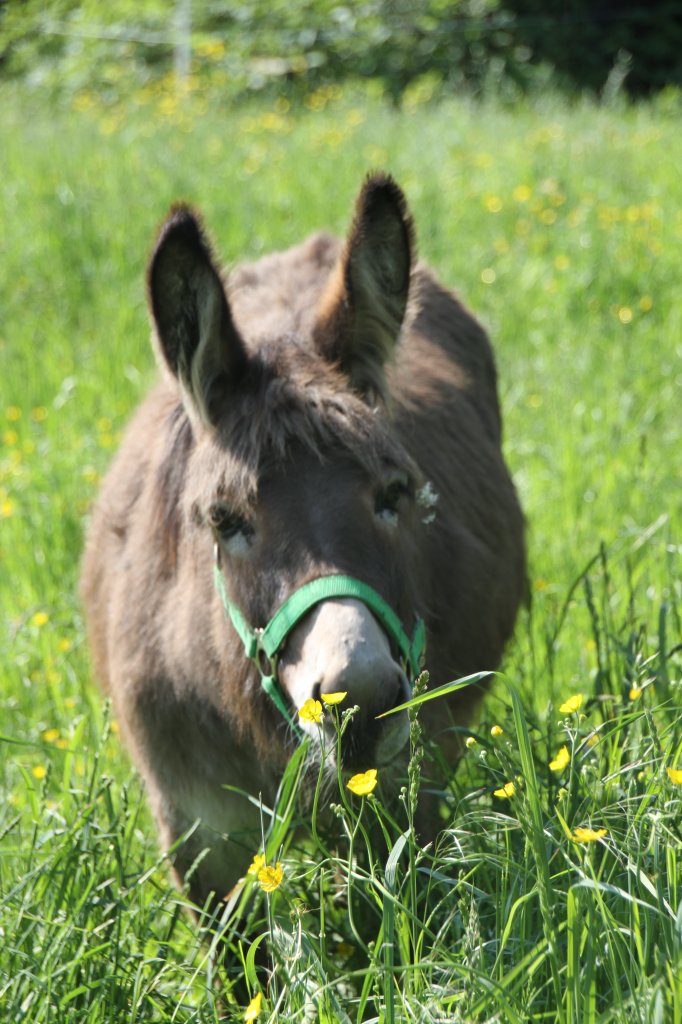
(326,432)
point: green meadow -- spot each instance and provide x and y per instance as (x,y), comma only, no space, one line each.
(554,893)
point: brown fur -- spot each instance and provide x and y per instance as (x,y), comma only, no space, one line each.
(267,407)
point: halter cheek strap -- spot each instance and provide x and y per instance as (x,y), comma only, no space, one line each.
(262,646)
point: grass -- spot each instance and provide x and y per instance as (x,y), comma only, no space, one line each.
(560,225)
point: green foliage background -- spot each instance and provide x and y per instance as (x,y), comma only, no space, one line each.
(508,46)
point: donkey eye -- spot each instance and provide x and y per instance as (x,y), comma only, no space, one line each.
(228,523)
(388,499)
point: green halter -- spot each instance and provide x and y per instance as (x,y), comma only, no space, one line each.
(262,646)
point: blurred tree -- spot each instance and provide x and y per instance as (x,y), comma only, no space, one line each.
(592,45)
(74,44)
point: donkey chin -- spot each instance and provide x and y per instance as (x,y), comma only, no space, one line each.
(340,647)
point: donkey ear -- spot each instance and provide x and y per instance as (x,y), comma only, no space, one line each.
(195,335)
(362,310)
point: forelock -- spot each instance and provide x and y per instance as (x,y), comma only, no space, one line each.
(292,398)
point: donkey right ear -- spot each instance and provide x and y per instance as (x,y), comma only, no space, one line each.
(362,310)
(196,337)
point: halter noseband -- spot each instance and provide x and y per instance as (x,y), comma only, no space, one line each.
(262,646)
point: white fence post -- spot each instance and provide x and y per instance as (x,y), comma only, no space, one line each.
(183,45)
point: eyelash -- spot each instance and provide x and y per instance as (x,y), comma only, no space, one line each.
(228,523)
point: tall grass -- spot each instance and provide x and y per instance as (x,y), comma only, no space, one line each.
(561,227)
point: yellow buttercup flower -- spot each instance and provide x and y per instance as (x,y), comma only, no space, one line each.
(675,775)
(252,1011)
(311,711)
(588,835)
(270,877)
(522,193)
(257,863)
(496,731)
(40,618)
(470,742)
(560,761)
(363,783)
(572,705)
(506,792)
(39,772)
(334,698)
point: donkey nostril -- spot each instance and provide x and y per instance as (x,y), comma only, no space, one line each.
(317,690)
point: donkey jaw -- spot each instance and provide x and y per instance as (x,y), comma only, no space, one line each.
(393,739)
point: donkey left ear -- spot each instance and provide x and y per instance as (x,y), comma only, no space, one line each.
(195,336)
(363,308)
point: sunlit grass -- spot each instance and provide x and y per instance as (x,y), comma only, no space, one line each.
(554,892)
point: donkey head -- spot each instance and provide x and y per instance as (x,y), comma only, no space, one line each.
(294,472)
